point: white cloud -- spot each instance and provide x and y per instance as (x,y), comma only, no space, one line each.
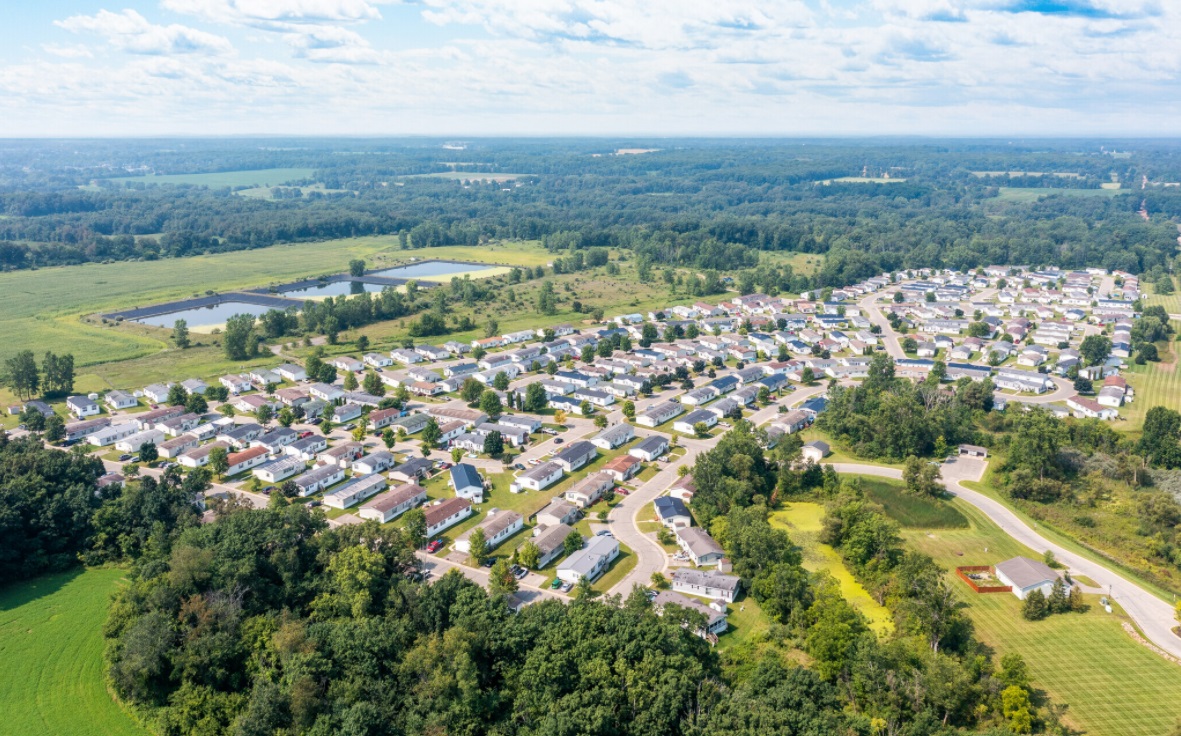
(263,13)
(654,24)
(129,31)
(616,66)
(75,51)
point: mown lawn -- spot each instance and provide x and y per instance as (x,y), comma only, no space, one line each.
(1112,685)
(909,509)
(802,521)
(51,657)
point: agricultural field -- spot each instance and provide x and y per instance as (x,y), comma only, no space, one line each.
(219,179)
(1062,174)
(803,521)
(864,180)
(1032,194)
(1084,660)
(51,657)
(469,176)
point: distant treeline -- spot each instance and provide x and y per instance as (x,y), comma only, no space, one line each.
(702,206)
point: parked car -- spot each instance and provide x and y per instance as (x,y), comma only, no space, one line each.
(557,583)
(445,466)
(604,533)
(124,457)
(134,458)
(567,587)
(518,466)
(349,427)
(305,434)
(621,491)
(435,546)
(315,502)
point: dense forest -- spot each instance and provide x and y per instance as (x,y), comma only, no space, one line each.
(699,204)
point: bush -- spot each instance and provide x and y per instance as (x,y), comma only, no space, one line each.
(1035,607)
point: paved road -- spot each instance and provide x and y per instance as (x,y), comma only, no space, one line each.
(528,589)
(869,305)
(1154,616)
(624,522)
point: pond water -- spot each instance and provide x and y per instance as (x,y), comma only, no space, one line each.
(199,317)
(335,288)
(430,268)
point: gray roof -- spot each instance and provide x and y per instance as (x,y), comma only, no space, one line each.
(465,476)
(652,444)
(667,507)
(699,541)
(552,538)
(707,578)
(576,451)
(586,559)
(1025,572)
(665,597)
(700,415)
(542,471)
(614,434)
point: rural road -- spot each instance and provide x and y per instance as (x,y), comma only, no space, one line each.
(1151,614)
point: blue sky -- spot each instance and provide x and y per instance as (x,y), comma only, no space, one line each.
(591,67)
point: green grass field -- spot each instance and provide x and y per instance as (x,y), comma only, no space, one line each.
(908,509)
(802,521)
(805,264)
(51,657)
(1024,194)
(218,179)
(44,308)
(1112,684)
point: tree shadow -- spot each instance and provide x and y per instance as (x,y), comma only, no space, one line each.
(21,592)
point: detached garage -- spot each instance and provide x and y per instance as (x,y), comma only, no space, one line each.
(1026,575)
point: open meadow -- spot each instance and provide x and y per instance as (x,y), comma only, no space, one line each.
(1112,684)
(219,179)
(1032,194)
(51,657)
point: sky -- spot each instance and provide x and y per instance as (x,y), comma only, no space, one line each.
(590,67)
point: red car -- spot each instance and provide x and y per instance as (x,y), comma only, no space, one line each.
(305,434)
(435,546)
(621,491)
